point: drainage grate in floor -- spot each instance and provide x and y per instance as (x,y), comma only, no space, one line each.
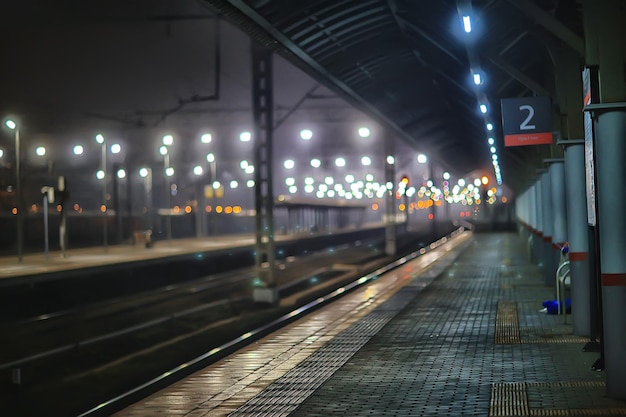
(507,324)
(569,398)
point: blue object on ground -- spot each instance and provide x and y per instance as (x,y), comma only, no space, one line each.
(552,307)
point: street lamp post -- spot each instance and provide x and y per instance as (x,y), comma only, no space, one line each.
(198,171)
(46,199)
(212,168)
(430,172)
(168,186)
(167,141)
(212,177)
(18,192)
(146,174)
(390,205)
(103,167)
(210,157)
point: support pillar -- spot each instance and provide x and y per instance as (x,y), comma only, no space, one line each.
(549,268)
(519,213)
(538,240)
(522,213)
(610,153)
(262,111)
(559,224)
(578,236)
(533,207)
(610,125)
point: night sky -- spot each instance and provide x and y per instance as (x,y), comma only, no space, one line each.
(73,69)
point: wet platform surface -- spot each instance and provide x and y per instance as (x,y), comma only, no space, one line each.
(462,336)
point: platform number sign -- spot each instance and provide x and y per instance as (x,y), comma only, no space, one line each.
(527,121)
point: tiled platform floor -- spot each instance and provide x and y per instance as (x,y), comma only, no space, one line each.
(406,346)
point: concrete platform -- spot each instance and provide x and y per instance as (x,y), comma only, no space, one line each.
(34,264)
(39,263)
(453,335)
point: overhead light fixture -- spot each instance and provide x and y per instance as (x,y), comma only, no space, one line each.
(483,108)
(306,134)
(245,136)
(168,140)
(467,24)
(364,132)
(478,80)
(489,126)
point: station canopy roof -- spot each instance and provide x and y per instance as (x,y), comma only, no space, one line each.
(408,64)
(411,64)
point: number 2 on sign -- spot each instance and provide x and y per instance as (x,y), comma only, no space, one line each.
(531,112)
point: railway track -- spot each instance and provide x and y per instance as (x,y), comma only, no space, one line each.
(53,352)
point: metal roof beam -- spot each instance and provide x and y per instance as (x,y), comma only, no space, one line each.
(424,35)
(314,65)
(404,26)
(558,29)
(452,81)
(519,76)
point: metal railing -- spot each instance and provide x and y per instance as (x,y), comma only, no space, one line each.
(563,280)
